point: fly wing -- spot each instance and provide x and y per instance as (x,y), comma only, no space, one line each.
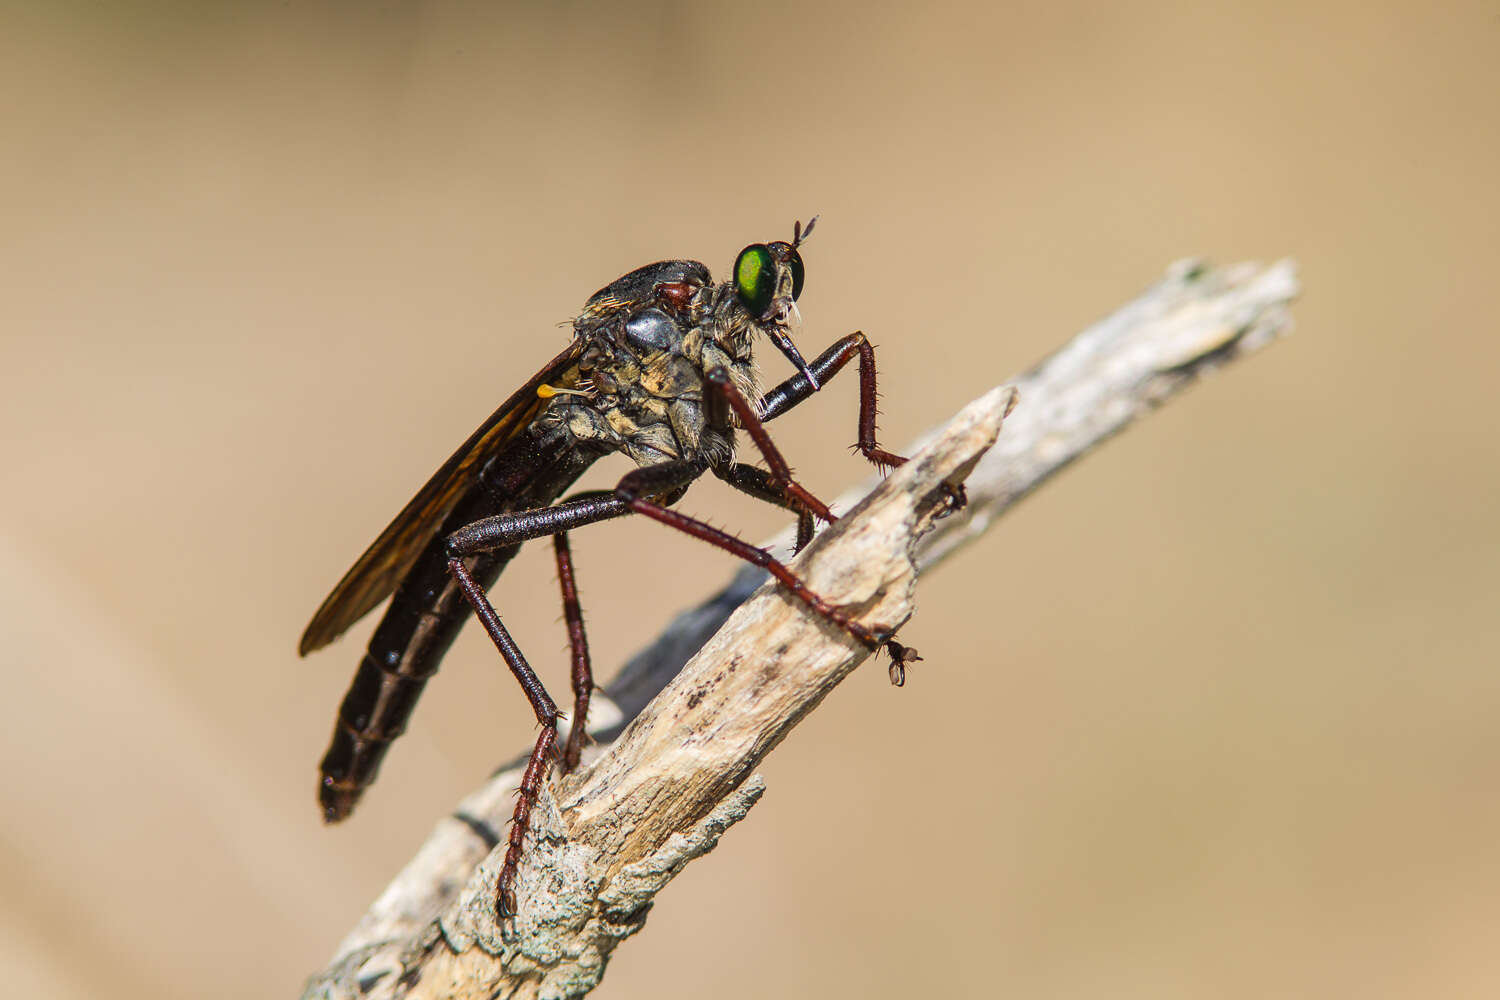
(375,576)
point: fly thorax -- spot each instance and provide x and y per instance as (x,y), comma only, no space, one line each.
(582,420)
(739,364)
(631,391)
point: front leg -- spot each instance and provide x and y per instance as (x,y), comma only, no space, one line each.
(828,364)
(797,388)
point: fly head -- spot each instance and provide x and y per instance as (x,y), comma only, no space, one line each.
(768,279)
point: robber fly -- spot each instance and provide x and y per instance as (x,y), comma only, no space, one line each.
(659,368)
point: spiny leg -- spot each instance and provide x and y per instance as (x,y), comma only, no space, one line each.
(722,397)
(546,715)
(797,388)
(578,643)
(636,486)
(665,483)
(718,382)
(497,532)
(828,364)
(650,491)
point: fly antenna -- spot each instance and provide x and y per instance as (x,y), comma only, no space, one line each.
(799,234)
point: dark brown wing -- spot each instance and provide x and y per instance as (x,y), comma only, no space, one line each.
(376,574)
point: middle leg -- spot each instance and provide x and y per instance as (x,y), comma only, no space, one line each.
(795,496)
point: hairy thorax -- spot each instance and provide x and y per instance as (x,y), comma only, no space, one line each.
(650,404)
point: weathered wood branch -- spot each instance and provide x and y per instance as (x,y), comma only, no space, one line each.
(687,738)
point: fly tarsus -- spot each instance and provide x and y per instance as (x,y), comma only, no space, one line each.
(878,638)
(900,657)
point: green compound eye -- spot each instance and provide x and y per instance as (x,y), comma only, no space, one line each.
(755,278)
(798,274)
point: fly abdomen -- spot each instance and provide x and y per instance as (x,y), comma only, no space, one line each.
(354,755)
(421,623)
(373,713)
(425,615)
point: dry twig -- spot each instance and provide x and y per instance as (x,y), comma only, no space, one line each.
(608,838)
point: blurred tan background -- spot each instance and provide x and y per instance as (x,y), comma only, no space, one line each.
(1217,710)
